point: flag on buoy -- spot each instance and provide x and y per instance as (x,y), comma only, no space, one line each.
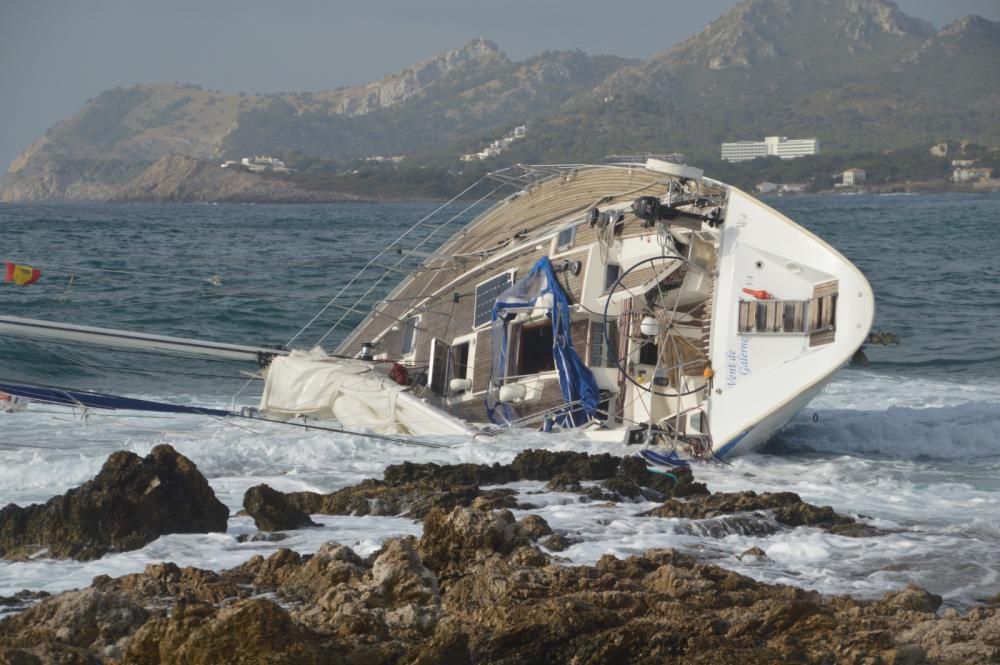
(20,274)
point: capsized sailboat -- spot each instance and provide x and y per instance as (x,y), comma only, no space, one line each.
(644,303)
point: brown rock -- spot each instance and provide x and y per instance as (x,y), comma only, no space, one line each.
(534,527)
(130,503)
(88,620)
(451,540)
(272,511)
(753,553)
(167,581)
(786,508)
(249,631)
(912,599)
(558,542)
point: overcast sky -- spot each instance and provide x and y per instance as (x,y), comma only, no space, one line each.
(54,54)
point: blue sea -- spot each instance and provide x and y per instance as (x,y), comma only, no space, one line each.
(910,443)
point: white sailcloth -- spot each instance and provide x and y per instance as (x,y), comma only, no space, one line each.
(315,385)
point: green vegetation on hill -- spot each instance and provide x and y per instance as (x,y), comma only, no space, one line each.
(102,121)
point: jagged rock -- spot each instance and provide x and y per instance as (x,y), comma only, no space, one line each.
(414,489)
(912,599)
(473,590)
(261,537)
(630,480)
(249,631)
(451,540)
(272,511)
(22,598)
(558,542)
(754,553)
(787,508)
(564,482)
(407,588)
(451,474)
(131,502)
(74,621)
(167,580)
(373,497)
(534,527)
(308,578)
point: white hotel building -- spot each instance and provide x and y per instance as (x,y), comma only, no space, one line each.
(777,146)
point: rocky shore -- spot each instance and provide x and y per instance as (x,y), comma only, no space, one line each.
(480,586)
(171,178)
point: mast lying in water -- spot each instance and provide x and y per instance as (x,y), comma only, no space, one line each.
(124,339)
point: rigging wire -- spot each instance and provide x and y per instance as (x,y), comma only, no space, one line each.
(372,261)
(430,235)
(227,420)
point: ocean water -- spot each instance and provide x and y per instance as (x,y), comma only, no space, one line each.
(910,443)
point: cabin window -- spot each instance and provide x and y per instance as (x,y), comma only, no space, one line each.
(532,349)
(486,296)
(447,363)
(408,338)
(612,272)
(789,317)
(603,354)
(565,239)
(460,361)
(440,352)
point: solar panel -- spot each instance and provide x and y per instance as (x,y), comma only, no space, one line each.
(486,296)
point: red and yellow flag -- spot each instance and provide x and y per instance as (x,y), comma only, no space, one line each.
(20,274)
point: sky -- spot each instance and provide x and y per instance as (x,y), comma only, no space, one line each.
(54,54)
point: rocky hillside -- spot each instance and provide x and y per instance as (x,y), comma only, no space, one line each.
(857,74)
(170,178)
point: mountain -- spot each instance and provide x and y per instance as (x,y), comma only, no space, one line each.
(860,75)
(857,74)
(458,93)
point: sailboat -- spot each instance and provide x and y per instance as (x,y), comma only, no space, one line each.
(640,302)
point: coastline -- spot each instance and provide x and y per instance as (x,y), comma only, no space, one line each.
(480,585)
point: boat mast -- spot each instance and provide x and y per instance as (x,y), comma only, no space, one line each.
(123,339)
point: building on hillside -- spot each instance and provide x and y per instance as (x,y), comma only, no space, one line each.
(781,188)
(497,146)
(963,162)
(854,177)
(771,146)
(939,149)
(971,174)
(259,164)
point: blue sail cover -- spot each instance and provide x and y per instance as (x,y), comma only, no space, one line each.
(540,289)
